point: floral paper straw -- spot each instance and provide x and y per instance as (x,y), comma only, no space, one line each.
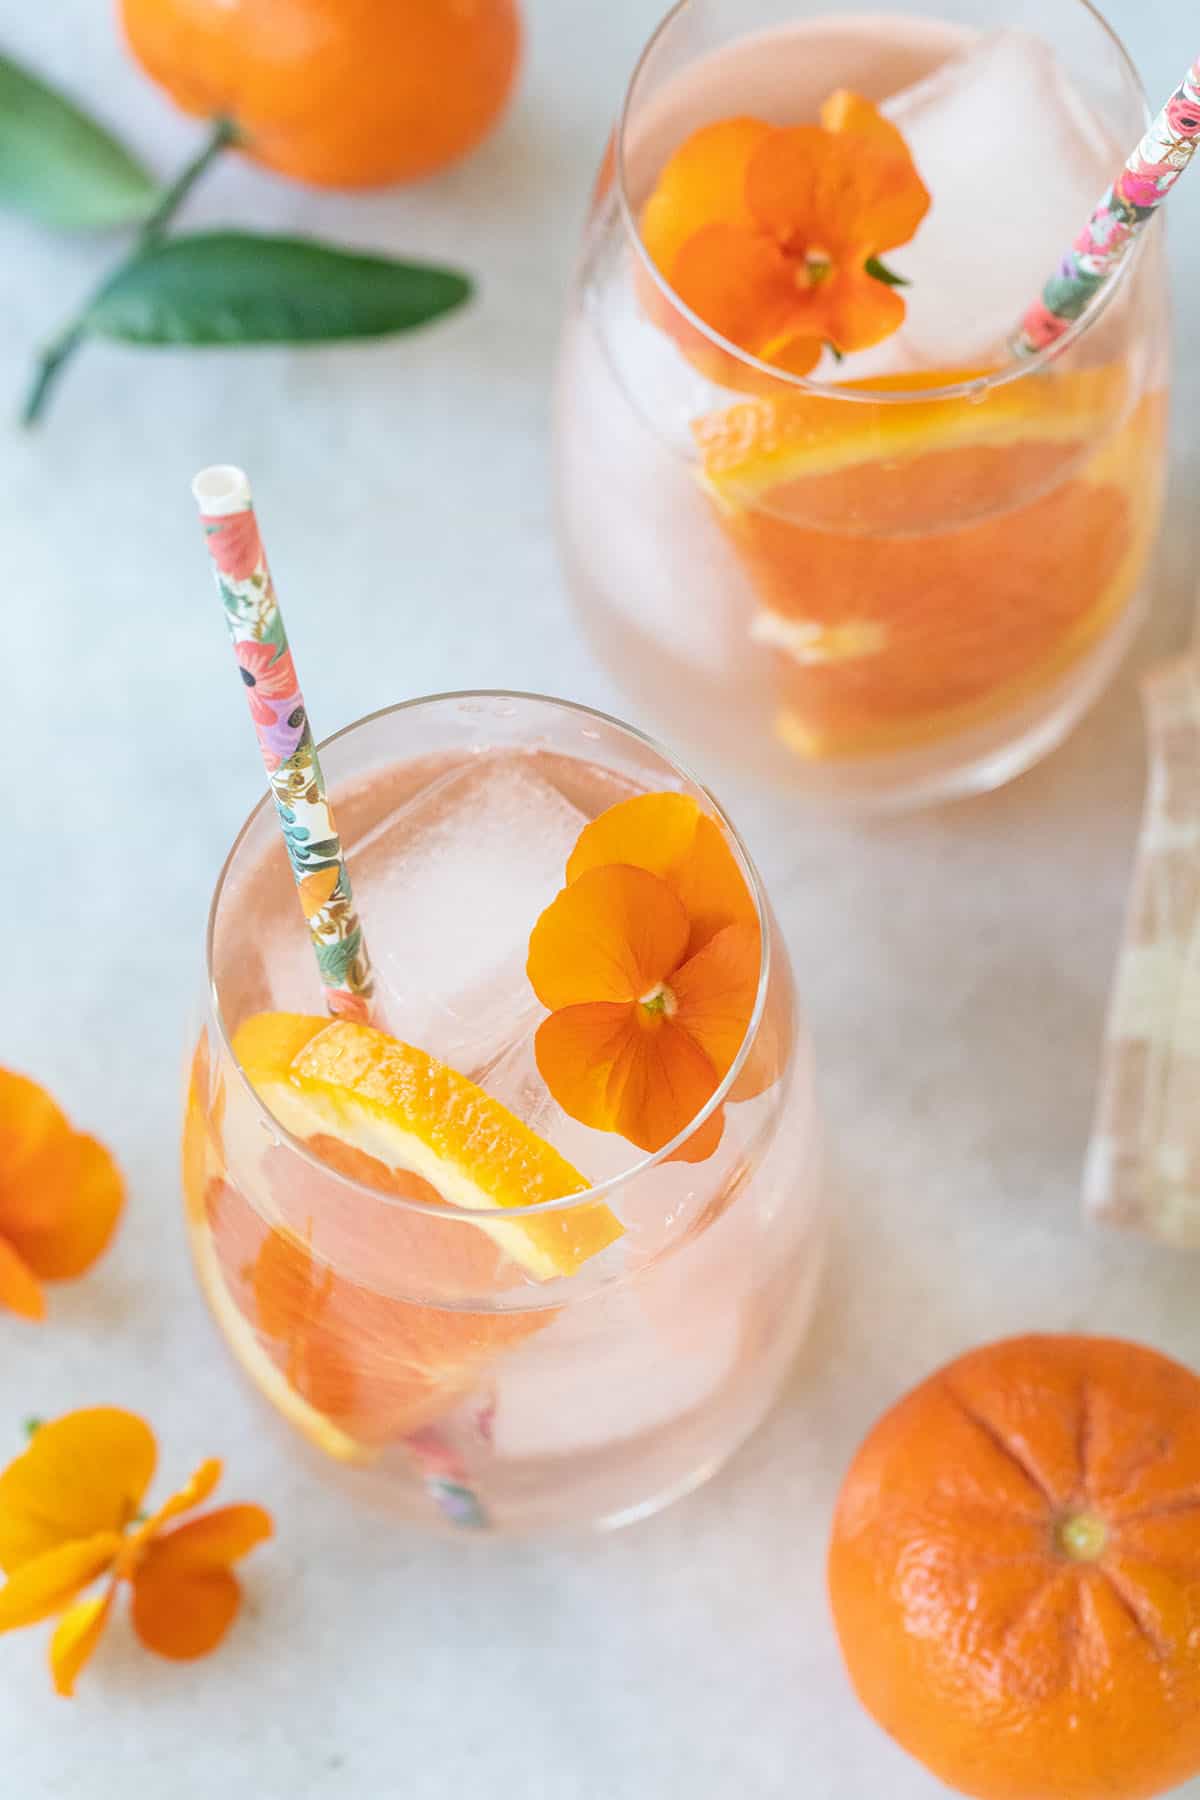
(309,833)
(1130,203)
(285,738)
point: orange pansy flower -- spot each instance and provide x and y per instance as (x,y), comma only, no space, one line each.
(69,1517)
(649,962)
(60,1196)
(766,233)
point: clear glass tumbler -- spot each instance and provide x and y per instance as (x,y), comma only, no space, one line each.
(581,1359)
(906,574)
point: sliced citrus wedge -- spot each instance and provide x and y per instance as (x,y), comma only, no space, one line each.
(320,1430)
(299,1277)
(414,1114)
(922,565)
(753,449)
(205,1201)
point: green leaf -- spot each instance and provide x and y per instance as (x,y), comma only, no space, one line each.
(273,632)
(1067,296)
(880,272)
(233,287)
(324,851)
(336,960)
(60,166)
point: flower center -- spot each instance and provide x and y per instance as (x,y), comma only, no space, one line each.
(1082,1536)
(660,1001)
(128,1557)
(248,678)
(813,267)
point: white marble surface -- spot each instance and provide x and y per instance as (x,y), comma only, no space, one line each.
(955,967)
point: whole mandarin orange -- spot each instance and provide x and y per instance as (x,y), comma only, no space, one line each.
(339,93)
(1015,1571)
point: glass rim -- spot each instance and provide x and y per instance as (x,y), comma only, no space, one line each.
(597,1192)
(970,388)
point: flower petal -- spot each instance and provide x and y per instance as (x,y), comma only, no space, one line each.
(33,1133)
(704,183)
(670,1081)
(221,1537)
(847,111)
(800,186)
(861,311)
(82,1474)
(716,991)
(20,1290)
(738,280)
(647,831)
(893,200)
(184,1596)
(712,886)
(28,1115)
(195,1491)
(278,679)
(670,836)
(183,1613)
(46,1584)
(581,1055)
(267,670)
(845,193)
(89,1207)
(75,1638)
(796,352)
(619,1069)
(702,1143)
(233,543)
(610,936)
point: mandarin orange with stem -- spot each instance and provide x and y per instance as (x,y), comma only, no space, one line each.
(1015,1571)
(338,93)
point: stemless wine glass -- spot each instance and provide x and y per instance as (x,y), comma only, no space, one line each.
(909,573)
(580,1359)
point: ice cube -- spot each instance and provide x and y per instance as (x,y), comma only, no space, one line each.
(290,981)
(450,885)
(513,1079)
(1015,162)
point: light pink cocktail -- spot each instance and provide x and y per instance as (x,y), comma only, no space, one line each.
(908,573)
(405,1339)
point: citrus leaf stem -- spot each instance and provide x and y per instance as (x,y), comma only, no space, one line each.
(61,348)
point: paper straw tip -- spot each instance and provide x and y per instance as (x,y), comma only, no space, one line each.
(223,488)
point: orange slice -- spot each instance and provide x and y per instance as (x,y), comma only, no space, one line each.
(296,1282)
(414,1114)
(266,1374)
(752,451)
(923,565)
(208,1199)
